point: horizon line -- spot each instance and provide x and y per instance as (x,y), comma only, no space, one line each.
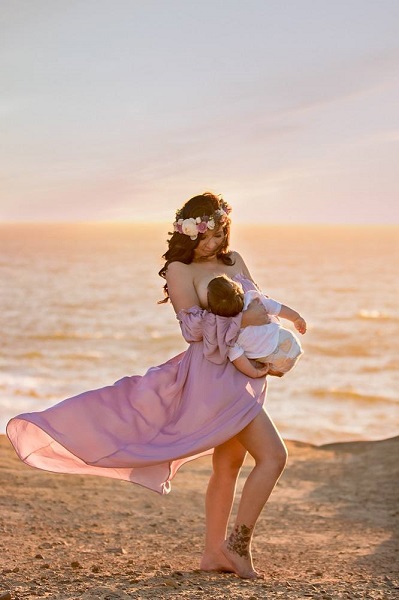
(168,224)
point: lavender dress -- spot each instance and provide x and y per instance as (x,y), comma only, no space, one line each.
(143,428)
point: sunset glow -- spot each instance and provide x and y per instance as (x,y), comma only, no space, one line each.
(122,110)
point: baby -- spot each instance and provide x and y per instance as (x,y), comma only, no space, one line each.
(270,344)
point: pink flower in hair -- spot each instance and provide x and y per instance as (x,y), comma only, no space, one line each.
(177,226)
(202,227)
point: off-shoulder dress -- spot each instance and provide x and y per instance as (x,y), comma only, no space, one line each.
(143,428)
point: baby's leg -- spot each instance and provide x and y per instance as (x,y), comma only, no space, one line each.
(266,360)
(285,356)
(275,373)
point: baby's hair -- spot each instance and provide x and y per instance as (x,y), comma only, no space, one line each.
(225,296)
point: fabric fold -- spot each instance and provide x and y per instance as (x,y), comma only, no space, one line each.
(218,333)
(143,428)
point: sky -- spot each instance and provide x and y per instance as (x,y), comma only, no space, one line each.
(120,110)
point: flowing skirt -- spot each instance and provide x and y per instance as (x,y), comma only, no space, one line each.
(142,428)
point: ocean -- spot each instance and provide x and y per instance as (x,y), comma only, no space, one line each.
(78,310)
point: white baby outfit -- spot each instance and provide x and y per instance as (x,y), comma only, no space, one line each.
(269,343)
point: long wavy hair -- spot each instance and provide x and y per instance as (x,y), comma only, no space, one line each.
(181,247)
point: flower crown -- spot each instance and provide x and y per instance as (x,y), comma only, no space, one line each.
(193,226)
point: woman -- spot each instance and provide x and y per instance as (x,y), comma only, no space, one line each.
(192,261)
(142,429)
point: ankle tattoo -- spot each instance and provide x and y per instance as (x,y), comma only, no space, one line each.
(239,540)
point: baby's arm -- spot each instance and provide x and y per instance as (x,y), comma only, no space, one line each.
(291,315)
(243,364)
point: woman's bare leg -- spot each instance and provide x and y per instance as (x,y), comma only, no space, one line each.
(263,442)
(227,462)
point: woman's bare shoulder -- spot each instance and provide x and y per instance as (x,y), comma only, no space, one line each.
(238,259)
(180,280)
(179,271)
(240,264)
(236,256)
(177,267)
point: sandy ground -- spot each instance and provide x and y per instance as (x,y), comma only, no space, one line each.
(328,531)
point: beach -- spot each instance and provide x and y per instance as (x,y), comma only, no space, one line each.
(80,311)
(327,532)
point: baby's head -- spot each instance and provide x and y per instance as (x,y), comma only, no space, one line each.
(225,296)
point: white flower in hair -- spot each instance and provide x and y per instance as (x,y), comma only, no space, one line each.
(211,223)
(195,225)
(189,227)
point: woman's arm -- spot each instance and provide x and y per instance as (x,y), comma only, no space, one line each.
(181,288)
(255,314)
(185,301)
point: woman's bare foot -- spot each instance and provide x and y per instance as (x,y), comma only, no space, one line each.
(216,561)
(237,551)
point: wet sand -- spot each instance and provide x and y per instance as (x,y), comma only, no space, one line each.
(327,532)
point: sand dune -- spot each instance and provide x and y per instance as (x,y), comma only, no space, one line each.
(327,532)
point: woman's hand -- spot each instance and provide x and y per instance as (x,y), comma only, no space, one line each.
(255,314)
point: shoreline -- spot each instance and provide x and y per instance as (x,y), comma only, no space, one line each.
(327,531)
